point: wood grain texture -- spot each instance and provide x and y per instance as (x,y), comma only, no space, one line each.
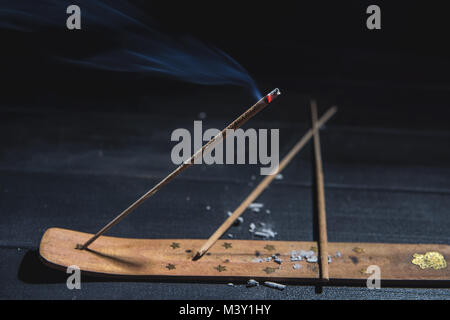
(231,260)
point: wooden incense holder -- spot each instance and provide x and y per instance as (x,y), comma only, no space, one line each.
(232,260)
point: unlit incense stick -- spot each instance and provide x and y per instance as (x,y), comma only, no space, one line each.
(262,186)
(257,107)
(321,214)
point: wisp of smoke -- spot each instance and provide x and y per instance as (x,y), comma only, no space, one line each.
(140,46)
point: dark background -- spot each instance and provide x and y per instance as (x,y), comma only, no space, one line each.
(78,145)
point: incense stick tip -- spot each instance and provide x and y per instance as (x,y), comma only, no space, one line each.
(275,91)
(272,95)
(197,256)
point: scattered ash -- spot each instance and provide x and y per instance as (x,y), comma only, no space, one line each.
(301,255)
(262,230)
(279,177)
(296,266)
(277,260)
(256,207)
(252,283)
(259,260)
(309,255)
(274,285)
(238,221)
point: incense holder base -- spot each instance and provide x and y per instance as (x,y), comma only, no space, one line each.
(237,260)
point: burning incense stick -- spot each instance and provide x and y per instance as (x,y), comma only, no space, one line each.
(257,107)
(322,219)
(262,186)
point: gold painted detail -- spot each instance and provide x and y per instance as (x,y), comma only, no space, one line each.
(428,260)
(358,250)
(269,270)
(363,271)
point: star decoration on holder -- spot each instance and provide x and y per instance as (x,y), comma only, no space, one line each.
(227,245)
(170,266)
(220,268)
(175,245)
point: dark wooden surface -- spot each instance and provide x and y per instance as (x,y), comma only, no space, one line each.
(386,180)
